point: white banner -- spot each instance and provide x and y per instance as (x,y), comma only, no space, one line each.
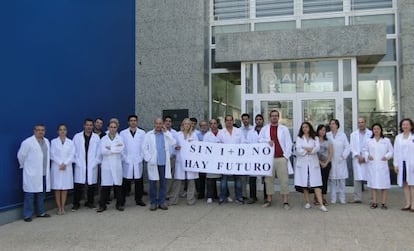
(237,159)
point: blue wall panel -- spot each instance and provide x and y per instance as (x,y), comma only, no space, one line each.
(61,61)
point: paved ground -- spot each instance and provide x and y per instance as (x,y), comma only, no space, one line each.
(224,227)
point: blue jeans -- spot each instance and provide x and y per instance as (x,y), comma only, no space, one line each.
(237,187)
(29,199)
(157,197)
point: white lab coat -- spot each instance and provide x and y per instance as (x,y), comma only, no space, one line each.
(210,137)
(111,165)
(236,137)
(62,154)
(341,150)
(307,163)
(253,137)
(378,172)
(150,154)
(360,170)
(285,141)
(132,155)
(80,159)
(30,156)
(180,173)
(245,133)
(404,151)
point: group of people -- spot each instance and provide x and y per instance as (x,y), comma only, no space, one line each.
(115,160)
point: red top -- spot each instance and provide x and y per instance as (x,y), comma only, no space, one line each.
(274,138)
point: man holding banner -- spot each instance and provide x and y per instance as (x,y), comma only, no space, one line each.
(278,136)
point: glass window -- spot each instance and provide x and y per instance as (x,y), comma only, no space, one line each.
(226,91)
(318,112)
(301,76)
(269,8)
(249,110)
(231,9)
(370,4)
(377,97)
(312,23)
(347,75)
(391,54)
(228,29)
(285,109)
(318,6)
(249,78)
(288,25)
(376,19)
(347,127)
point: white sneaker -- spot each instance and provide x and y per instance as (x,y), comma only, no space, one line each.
(229,199)
(209,200)
(323,208)
(307,206)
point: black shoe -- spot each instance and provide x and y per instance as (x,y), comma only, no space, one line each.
(163,207)
(200,197)
(45,215)
(145,193)
(75,208)
(251,201)
(140,203)
(153,207)
(100,209)
(28,219)
(120,208)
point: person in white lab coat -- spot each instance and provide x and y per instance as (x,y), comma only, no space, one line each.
(404,161)
(168,126)
(156,149)
(34,158)
(185,136)
(245,128)
(377,151)
(307,170)
(86,165)
(339,170)
(251,138)
(212,136)
(358,140)
(110,150)
(278,136)
(62,155)
(230,135)
(132,160)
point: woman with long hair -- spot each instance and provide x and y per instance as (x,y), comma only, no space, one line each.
(324,156)
(185,136)
(307,170)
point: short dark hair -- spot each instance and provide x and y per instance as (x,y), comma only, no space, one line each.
(259,116)
(228,115)
(132,116)
(99,118)
(168,117)
(411,123)
(88,120)
(61,124)
(336,122)
(245,115)
(380,126)
(192,119)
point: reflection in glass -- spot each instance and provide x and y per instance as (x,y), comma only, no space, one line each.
(298,76)
(312,23)
(376,19)
(318,112)
(228,29)
(377,96)
(249,109)
(288,25)
(347,127)
(226,95)
(347,75)
(249,78)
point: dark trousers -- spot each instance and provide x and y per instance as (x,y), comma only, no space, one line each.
(252,187)
(325,175)
(78,191)
(201,185)
(212,188)
(138,187)
(105,191)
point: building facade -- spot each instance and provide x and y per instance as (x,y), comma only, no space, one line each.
(312,60)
